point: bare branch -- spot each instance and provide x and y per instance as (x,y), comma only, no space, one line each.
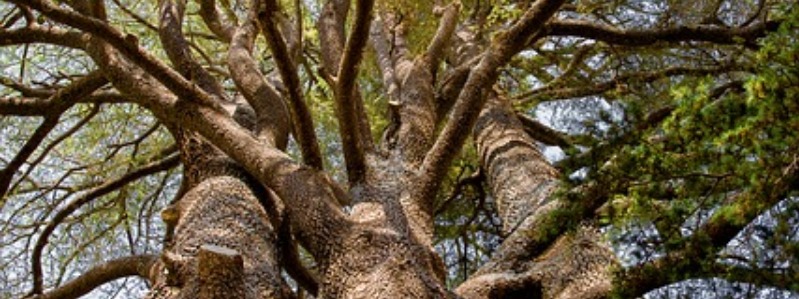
(409,85)
(46,150)
(273,123)
(62,100)
(331,34)
(128,46)
(138,265)
(543,133)
(301,115)
(346,107)
(41,107)
(520,178)
(385,61)
(47,35)
(549,93)
(94,193)
(135,16)
(176,47)
(612,35)
(332,40)
(24,106)
(27,150)
(311,196)
(219,26)
(449,20)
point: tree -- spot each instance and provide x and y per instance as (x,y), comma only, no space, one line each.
(432,106)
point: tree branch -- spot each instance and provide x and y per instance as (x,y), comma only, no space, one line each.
(222,28)
(473,95)
(220,273)
(385,61)
(128,46)
(446,27)
(94,193)
(27,150)
(135,16)
(177,49)
(704,244)
(612,35)
(549,93)
(40,107)
(46,150)
(47,35)
(138,265)
(331,35)
(62,100)
(349,122)
(311,196)
(272,115)
(409,85)
(303,122)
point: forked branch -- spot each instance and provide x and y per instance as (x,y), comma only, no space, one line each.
(473,95)
(271,112)
(177,48)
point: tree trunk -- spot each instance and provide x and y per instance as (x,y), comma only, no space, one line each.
(576,265)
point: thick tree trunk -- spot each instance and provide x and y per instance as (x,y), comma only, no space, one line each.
(577,265)
(224,245)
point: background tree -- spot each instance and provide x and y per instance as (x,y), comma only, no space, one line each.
(394,149)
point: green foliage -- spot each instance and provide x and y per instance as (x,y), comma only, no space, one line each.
(729,146)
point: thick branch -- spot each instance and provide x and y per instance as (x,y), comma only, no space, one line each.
(385,63)
(349,122)
(332,40)
(222,28)
(447,25)
(710,33)
(543,133)
(177,48)
(220,273)
(139,265)
(303,122)
(331,34)
(521,180)
(47,35)
(473,95)
(24,106)
(272,114)
(311,198)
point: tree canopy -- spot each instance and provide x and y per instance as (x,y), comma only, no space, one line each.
(389,149)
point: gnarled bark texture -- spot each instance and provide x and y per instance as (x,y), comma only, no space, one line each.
(245,204)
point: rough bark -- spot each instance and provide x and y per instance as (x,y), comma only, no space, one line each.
(243,198)
(577,265)
(224,245)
